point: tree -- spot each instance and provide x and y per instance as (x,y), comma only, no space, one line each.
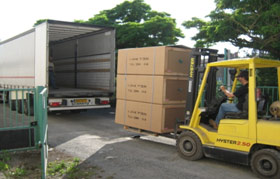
(245,23)
(137,25)
(267,77)
(40,21)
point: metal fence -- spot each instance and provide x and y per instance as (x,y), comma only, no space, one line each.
(271,93)
(23,121)
(17,122)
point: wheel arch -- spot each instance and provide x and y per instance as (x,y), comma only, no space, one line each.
(189,145)
(200,134)
(265,162)
(255,147)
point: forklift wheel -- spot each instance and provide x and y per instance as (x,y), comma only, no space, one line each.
(189,146)
(266,163)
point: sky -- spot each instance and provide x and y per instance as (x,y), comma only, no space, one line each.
(17,16)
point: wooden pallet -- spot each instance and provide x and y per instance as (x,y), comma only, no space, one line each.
(145,132)
(140,131)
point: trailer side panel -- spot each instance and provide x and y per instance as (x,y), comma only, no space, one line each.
(17,58)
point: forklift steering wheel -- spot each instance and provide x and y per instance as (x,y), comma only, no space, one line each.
(222,97)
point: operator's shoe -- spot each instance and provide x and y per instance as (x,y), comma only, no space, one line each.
(213,124)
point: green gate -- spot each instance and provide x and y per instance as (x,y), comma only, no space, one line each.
(23,121)
(42,113)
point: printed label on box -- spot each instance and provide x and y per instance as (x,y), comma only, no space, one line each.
(138,61)
(137,115)
(137,88)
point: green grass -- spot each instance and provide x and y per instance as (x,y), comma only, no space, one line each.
(70,169)
(62,167)
(4,158)
(7,170)
(3,166)
(17,172)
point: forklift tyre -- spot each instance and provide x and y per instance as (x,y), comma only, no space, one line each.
(266,163)
(189,146)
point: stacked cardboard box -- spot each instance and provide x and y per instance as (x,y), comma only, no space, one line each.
(151,87)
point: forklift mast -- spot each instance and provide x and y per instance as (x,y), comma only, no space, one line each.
(197,65)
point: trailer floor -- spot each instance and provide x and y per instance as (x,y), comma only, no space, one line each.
(75,92)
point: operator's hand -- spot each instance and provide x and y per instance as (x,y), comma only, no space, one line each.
(222,88)
(226,92)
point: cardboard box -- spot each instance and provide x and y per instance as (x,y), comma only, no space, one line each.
(152,89)
(161,60)
(150,117)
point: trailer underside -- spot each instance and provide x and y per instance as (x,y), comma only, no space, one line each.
(75,92)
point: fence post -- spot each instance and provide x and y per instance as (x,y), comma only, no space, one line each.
(37,115)
(41,115)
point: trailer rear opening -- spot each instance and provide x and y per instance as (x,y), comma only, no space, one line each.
(84,63)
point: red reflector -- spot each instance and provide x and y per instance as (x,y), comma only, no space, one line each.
(104,102)
(55,104)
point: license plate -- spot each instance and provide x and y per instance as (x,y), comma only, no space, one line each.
(79,101)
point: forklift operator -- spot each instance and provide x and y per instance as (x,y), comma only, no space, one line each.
(240,93)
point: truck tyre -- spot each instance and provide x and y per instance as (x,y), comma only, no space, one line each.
(189,146)
(5,98)
(31,108)
(13,105)
(266,163)
(20,110)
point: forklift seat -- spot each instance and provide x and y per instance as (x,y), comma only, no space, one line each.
(241,114)
(244,113)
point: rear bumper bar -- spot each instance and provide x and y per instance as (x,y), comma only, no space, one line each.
(78,107)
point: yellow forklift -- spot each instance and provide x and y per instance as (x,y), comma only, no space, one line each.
(249,137)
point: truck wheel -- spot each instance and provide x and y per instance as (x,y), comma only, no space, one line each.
(266,163)
(31,108)
(1,97)
(189,146)
(20,106)
(13,105)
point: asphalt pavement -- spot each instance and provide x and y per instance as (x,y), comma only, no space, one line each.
(93,137)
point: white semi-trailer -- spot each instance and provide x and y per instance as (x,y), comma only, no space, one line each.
(84,61)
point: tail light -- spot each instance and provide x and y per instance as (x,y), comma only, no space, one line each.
(105,102)
(55,104)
